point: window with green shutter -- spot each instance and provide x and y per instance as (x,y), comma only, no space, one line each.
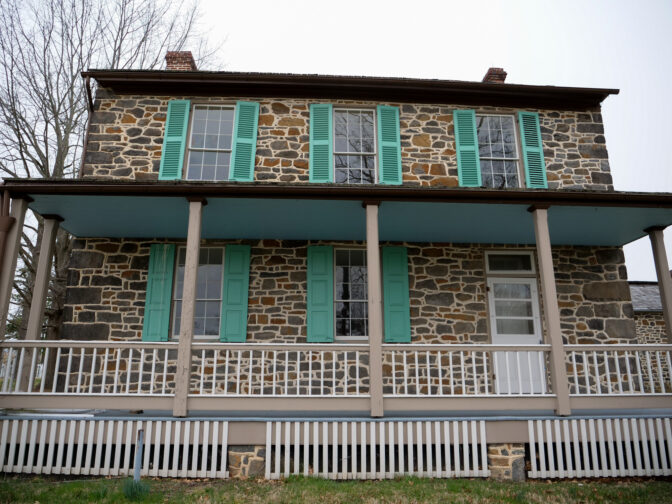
(159,291)
(174,140)
(235,295)
(390,145)
(321,129)
(320,294)
(466,143)
(396,300)
(533,150)
(244,141)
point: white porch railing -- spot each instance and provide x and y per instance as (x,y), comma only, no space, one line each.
(450,370)
(606,370)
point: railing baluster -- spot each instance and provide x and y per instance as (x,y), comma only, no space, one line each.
(66,388)
(56,370)
(19,372)
(473,370)
(310,372)
(631,387)
(249,374)
(165,369)
(508,373)
(417,374)
(202,373)
(669,368)
(151,381)
(129,369)
(429,374)
(530,374)
(586,372)
(333,373)
(321,373)
(607,371)
(346,363)
(598,382)
(141,370)
(357,375)
(575,373)
(33,362)
(226,372)
(275,372)
(45,362)
(240,352)
(129,364)
(640,376)
(81,370)
(464,388)
(541,357)
(261,385)
(652,381)
(287,374)
(93,369)
(450,367)
(618,372)
(405,371)
(438,369)
(520,374)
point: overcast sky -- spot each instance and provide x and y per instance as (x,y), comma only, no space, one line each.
(610,44)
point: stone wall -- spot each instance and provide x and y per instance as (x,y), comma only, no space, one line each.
(126,137)
(107,281)
(650,328)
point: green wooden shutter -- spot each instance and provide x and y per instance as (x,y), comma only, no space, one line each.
(233,324)
(466,145)
(320,294)
(156,325)
(533,150)
(396,301)
(174,140)
(389,145)
(244,147)
(321,153)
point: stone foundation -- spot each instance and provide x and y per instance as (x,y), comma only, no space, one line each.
(247,461)
(506,461)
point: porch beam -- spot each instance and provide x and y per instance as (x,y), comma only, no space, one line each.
(551,311)
(663,274)
(375,298)
(9,258)
(183,372)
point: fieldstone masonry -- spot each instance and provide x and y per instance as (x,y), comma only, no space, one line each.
(247,461)
(126,137)
(650,327)
(506,461)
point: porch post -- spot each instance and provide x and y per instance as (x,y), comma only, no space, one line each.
(375,310)
(551,310)
(37,304)
(12,247)
(663,273)
(183,372)
(40,291)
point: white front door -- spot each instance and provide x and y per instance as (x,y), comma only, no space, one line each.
(514,319)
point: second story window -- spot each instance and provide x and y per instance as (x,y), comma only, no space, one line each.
(354,146)
(210,143)
(498,151)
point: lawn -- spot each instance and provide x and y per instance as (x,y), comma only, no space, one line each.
(48,490)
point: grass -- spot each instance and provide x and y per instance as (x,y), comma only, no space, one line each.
(43,490)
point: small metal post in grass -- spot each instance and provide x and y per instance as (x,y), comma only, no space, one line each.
(139,445)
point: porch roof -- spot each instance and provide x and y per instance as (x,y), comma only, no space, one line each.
(93,208)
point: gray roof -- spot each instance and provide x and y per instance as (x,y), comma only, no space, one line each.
(645,296)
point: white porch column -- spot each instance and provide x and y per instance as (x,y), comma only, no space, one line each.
(12,247)
(42,275)
(183,372)
(375,299)
(551,310)
(663,274)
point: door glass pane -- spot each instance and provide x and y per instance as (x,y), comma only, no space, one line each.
(512,291)
(513,308)
(515,326)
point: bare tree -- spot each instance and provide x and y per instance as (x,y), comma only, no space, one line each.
(44,45)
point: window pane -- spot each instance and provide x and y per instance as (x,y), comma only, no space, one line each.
(515,326)
(513,308)
(509,262)
(512,291)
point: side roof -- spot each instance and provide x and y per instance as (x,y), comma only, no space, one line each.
(396,89)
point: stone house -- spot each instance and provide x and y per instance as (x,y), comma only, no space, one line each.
(349,277)
(648,312)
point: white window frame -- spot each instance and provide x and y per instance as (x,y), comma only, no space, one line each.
(375,142)
(531,271)
(191,149)
(173,312)
(518,160)
(350,339)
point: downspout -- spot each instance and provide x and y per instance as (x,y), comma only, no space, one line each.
(6,222)
(89,109)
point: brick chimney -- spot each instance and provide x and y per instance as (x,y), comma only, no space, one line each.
(495,75)
(180,60)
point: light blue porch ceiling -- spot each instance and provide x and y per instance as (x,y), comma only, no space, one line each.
(306,219)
